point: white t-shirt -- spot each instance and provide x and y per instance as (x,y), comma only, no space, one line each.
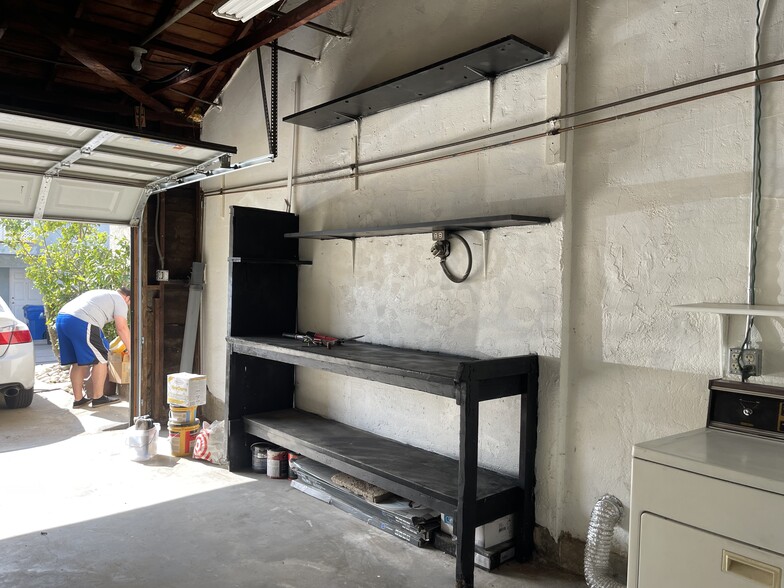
(97,307)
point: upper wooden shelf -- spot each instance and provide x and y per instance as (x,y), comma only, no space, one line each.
(428,371)
(482,63)
(727,308)
(479,223)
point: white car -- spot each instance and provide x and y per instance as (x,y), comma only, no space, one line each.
(17,360)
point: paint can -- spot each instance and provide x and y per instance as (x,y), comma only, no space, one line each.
(277,463)
(292,470)
(182,415)
(258,456)
(183,438)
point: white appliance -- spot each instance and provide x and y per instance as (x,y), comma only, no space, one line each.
(707,506)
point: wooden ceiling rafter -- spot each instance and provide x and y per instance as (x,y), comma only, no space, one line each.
(75,11)
(276,29)
(204,91)
(72,58)
(107,74)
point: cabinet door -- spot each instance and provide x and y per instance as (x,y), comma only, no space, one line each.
(679,556)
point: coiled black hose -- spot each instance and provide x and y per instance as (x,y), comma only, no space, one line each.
(442,249)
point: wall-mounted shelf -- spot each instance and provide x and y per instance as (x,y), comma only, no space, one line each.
(725,310)
(483,63)
(478,223)
(269,261)
(736,309)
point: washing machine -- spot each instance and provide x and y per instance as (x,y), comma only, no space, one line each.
(707,506)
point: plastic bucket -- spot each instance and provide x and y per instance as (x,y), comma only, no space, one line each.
(258,457)
(183,438)
(182,415)
(142,444)
(277,463)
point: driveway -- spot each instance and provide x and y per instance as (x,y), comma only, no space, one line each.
(50,414)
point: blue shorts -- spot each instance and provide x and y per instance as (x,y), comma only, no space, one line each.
(80,342)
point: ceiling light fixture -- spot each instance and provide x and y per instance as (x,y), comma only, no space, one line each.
(136,64)
(243,10)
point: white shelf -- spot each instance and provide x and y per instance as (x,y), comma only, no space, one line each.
(726,308)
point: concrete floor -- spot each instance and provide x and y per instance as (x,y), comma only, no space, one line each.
(76,511)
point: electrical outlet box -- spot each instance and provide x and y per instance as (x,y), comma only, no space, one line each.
(751,359)
(162,275)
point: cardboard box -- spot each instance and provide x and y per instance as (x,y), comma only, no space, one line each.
(492,534)
(119,367)
(487,535)
(184,389)
(487,559)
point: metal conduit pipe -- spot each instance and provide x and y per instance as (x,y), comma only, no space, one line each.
(304,179)
(170,22)
(606,514)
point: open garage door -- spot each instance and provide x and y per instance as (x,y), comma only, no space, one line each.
(60,170)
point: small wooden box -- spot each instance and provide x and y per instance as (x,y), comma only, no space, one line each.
(119,368)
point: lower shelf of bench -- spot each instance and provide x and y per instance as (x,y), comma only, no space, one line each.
(423,476)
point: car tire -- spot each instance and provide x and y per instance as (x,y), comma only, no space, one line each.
(21,400)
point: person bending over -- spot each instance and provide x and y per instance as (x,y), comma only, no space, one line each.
(82,342)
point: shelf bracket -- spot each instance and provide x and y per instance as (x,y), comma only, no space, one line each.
(485,238)
(491,79)
(724,344)
(355,166)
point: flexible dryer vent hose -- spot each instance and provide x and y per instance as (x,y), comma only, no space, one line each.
(606,514)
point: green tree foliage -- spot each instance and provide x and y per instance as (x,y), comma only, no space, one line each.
(67,259)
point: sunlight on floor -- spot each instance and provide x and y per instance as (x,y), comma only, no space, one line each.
(86,472)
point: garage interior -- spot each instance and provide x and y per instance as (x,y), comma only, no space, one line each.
(540,228)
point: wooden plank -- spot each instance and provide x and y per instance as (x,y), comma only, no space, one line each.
(427,371)
(107,74)
(434,373)
(478,65)
(414,473)
(296,18)
(479,223)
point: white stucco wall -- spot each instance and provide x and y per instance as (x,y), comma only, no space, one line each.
(648,212)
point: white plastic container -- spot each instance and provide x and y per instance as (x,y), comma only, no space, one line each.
(142,444)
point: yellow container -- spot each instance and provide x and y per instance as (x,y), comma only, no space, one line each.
(117,345)
(182,415)
(183,438)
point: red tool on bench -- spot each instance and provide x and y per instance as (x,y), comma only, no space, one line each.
(312,338)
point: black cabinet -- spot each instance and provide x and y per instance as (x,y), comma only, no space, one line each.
(261,405)
(262,301)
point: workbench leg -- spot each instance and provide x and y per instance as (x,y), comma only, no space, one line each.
(524,525)
(465,519)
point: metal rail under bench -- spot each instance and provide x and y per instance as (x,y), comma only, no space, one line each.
(261,397)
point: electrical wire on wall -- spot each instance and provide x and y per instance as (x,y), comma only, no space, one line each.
(156,231)
(756,195)
(441,249)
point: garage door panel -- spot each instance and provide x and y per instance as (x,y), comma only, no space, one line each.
(18,193)
(91,174)
(97,202)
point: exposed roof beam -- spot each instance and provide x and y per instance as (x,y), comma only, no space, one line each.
(76,103)
(206,84)
(170,22)
(107,74)
(24,22)
(290,21)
